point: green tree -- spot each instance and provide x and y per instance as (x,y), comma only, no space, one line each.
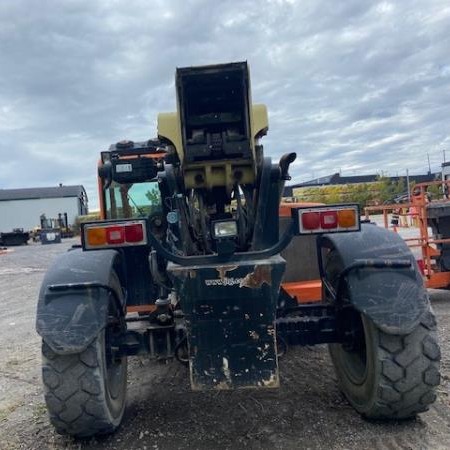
(365,194)
(153,196)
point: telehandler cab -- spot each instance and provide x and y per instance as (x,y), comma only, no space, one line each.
(186,266)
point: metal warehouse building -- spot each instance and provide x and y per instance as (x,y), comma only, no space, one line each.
(22,208)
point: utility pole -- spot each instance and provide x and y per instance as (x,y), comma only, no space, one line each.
(443,153)
(407,186)
(429,165)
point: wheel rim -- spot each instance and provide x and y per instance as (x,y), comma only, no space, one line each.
(115,366)
(354,353)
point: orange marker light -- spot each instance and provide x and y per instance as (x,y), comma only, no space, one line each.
(96,236)
(347,218)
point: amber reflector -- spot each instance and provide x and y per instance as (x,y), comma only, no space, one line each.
(347,218)
(96,236)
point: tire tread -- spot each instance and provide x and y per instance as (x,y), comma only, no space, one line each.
(73,391)
(409,374)
(408,366)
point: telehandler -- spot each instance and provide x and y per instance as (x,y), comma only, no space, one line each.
(185,266)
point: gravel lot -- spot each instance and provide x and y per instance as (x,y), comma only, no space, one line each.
(162,413)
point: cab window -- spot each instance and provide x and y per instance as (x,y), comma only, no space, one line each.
(130,201)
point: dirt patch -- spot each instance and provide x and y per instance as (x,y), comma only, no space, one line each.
(162,412)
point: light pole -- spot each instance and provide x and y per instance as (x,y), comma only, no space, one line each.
(407,186)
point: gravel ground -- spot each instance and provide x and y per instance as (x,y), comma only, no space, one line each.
(162,413)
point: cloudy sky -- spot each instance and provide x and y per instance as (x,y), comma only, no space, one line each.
(353,86)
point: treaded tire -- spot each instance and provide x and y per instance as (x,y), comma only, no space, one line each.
(396,376)
(85,395)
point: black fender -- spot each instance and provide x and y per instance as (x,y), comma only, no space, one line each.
(392,296)
(74,299)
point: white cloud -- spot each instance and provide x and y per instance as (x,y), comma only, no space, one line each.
(355,85)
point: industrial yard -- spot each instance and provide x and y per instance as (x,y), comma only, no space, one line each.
(225,225)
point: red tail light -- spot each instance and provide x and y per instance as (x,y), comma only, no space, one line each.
(115,235)
(134,233)
(328,220)
(311,220)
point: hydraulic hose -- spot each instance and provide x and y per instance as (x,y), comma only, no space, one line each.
(213,259)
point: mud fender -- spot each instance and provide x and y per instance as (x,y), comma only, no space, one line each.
(394,298)
(74,299)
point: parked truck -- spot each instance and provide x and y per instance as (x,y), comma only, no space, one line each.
(15,237)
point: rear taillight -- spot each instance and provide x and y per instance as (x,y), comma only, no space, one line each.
(347,218)
(117,234)
(311,220)
(134,233)
(95,236)
(327,219)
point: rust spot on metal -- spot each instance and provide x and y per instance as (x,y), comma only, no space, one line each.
(224,269)
(262,274)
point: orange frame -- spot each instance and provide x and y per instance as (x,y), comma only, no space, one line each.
(304,291)
(419,200)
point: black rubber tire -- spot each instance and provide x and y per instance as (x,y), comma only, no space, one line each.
(85,392)
(387,376)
